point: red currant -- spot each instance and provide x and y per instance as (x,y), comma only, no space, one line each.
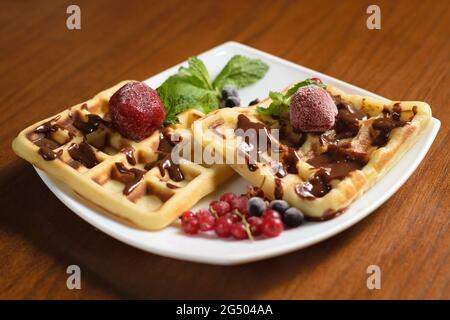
(206,220)
(228,197)
(255,225)
(190,225)
(269,213)
(272,227)
(240,204)
(220,207)
(187,214)
(238,231)
(223,226)
(234,217)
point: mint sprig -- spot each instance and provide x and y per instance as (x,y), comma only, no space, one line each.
(192,86)
(280,102)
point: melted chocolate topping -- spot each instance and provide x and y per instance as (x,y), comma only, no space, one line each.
(383,126)
(336,163)
(92,124)
(347,121)
(84,154)
(129,152)
(165,161)
(289,157)
(48,154)
(278,192)
(132,177)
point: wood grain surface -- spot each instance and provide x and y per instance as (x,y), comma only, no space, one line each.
(44,67)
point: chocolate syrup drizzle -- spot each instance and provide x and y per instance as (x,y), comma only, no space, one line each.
(131,177)
(84,154)
(92,124)
(384,126)
(165,161)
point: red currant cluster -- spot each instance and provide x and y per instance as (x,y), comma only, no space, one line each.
(236,216)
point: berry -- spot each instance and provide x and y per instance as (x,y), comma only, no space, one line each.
(190,224)
(271,214)
(255,225)
(279,205)
(228,197)
(272,227)
(206,220)
(186,215)
(229,91)
(240,204)
(256,206)
(293,217)
(231,102)
(238,231)
(253,102)
(234,217)
(223,227)
(220,207)
(136,110)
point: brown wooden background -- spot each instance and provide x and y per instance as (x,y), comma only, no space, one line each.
(44,68)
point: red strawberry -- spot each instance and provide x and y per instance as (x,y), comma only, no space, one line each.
(136,110)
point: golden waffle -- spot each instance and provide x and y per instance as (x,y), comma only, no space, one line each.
(361,150)
(135,181)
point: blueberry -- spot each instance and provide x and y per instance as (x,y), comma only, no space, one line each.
(256,206)
(279,205)
(231,102)
(293,217)
(253,102)
(229,91)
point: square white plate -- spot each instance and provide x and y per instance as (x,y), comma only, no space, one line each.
(171,242)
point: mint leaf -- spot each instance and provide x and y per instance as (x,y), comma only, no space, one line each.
(281,102)
(179,93)
(240,72)
(196,74)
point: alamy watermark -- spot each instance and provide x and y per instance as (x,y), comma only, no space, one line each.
(374,280)
(374,20)
(74,280)
(73,21)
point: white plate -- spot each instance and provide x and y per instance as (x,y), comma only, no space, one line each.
(171,242)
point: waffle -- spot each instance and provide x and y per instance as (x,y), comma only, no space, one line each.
(135,181)
(321,174)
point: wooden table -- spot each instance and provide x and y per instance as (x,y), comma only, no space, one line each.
(45,67)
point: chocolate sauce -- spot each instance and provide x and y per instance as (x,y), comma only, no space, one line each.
(383,126)
(171,186)
(48,126)
(84,154)
(347,121)
(336,163)
(213,127)
(165,161)
(129,153)
(48,154)
(257,129)
(278,192)
(92,124)
(132,177)
(289,157)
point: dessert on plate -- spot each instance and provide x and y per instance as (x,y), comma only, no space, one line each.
(328,148)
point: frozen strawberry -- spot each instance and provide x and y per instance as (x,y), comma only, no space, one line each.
(312,109)
(136,110)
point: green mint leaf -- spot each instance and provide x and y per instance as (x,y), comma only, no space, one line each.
(196,74)
(240,72)
(281,102)
(178,94)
